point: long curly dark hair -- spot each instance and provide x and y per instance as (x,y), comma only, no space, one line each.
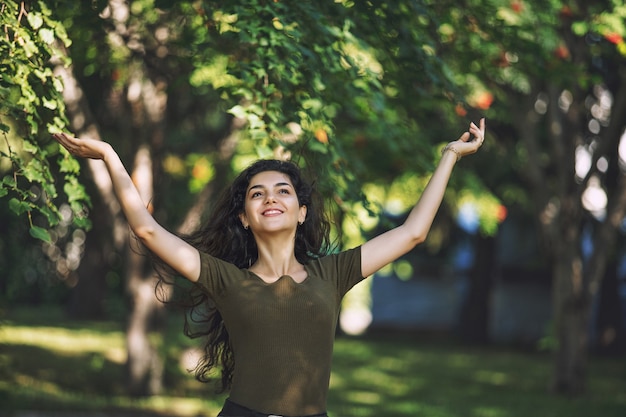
(224,237)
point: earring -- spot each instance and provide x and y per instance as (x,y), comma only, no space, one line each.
(245,227)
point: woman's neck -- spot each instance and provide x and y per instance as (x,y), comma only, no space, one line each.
(276,259)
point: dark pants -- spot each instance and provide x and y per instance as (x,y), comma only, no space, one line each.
(232,409)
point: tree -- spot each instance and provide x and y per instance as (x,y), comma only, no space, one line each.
(553,112)
(32,108)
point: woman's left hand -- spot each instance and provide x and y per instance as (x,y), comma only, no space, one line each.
(83,148)
(469,142)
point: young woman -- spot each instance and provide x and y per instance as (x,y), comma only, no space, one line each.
(270,293)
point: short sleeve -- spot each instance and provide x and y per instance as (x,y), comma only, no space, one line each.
(344,268)
(216,275)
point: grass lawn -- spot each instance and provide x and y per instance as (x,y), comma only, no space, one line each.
(50,363)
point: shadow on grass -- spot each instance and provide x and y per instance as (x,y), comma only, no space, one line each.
(52,364)
(41,378)
(402,375)
(68,366)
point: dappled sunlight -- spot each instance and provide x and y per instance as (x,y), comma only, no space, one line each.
(489,412)
(30,383)
(189,358)
(492,378)
(180,406)
(355,320)
(356,309)
(69,367)
(66,341)
(621,150)
(403,375)
(390,374)
(461,361)
(594,198)
(364,397)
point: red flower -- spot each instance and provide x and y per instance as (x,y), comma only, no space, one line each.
(561,52)
(566,12)
(501,213)
(614,38)
(484,101)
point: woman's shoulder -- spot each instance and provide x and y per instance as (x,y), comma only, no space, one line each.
(338,263)
(342,268)
(341,255)
(216,273)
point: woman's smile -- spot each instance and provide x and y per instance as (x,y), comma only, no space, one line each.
(272,212)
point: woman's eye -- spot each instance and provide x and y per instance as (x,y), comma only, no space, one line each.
(256,194)
(284,191)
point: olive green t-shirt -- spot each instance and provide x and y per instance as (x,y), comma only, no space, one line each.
(282,333)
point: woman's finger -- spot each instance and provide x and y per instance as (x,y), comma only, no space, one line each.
(68,142)
(478,132)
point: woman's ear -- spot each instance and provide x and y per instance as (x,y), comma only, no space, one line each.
(244,220)
(302,214)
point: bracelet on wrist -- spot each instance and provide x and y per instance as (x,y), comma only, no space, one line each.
(450,147)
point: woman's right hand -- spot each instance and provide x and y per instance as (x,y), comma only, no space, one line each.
(174,251)
(84,148)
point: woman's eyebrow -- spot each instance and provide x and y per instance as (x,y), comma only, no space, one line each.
(261,186)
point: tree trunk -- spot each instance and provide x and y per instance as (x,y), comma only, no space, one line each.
(572,324)
(475,313)
(598,274)
(87,297)
(610,334)
(143,361)
(572,305)
(144,364)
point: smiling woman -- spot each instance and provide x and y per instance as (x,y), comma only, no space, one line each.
(272,204)
(266,294)
(272,207)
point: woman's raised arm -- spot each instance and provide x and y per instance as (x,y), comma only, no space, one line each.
(390,245)
(174,251)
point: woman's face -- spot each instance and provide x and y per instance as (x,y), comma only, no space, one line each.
(271,204)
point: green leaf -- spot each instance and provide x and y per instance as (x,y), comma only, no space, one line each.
(30,48)
(580,28)
(316,146)
(47,35)
(50,104)
(35,20)
(74,190)
(238,111)
(9,181)
(82,222)
(18,207)
(34,171)
(58,84)
(52,215)
(40,233)
(30,147)
(69,165)
(264,152)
